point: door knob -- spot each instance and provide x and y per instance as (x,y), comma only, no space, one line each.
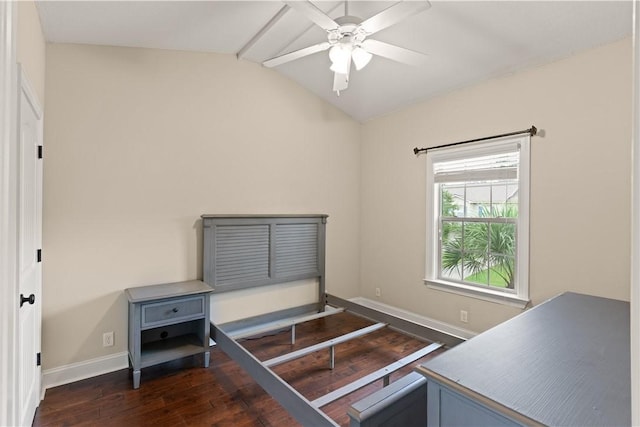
(30,299)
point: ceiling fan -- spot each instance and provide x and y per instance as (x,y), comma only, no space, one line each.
(347,38)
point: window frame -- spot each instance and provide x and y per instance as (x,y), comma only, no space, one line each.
(519,296)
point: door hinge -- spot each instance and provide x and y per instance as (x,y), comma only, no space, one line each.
(39,151)
(38,361)
(39,255)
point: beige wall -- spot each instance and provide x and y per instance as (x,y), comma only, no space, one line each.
(580,183)
(30,49)
(140,143)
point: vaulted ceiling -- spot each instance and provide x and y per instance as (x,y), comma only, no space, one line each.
(465,41)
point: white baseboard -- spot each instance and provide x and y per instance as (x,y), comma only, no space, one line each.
(79,371)
(415,318)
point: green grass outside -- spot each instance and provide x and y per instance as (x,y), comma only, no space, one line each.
(494,279)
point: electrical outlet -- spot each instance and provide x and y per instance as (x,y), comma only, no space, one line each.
(378,293)
(463,316)
(107,339)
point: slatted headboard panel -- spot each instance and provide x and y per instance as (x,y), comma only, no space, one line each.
(243,251)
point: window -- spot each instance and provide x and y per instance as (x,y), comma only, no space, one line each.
(478,220)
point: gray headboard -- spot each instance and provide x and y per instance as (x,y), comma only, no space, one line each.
(243,251)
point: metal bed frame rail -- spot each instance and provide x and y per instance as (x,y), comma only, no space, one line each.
(330,344)
(284,323)
(382,373)
(304,411)
(295,403)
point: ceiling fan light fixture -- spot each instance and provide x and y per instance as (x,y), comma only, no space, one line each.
(340,56)
(341,68)
(360,58)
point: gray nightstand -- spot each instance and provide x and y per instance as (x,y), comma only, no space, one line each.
(167,322)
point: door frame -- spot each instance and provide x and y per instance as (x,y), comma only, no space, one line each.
(8,203)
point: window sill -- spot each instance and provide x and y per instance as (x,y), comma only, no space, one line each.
(485,295)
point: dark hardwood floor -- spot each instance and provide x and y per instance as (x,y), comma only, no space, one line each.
(183,393)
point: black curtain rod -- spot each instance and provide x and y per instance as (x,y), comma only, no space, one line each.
(531,131)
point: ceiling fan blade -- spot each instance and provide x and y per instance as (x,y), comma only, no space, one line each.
(396,53)
(392,15)
(314,14)
(296,54)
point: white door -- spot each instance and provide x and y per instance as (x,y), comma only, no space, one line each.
(29,246)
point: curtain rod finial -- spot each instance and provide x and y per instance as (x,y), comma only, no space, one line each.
(533,131)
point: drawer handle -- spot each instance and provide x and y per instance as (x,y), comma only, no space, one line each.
(175,309)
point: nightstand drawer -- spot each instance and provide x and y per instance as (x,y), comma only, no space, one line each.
(173,311)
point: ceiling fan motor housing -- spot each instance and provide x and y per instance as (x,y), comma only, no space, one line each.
(348,31)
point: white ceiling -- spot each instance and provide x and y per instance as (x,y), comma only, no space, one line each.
(466,41)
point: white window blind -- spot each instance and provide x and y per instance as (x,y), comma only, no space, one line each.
(480,168)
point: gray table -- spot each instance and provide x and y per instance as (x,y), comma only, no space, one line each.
(565,363)
(167,322)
